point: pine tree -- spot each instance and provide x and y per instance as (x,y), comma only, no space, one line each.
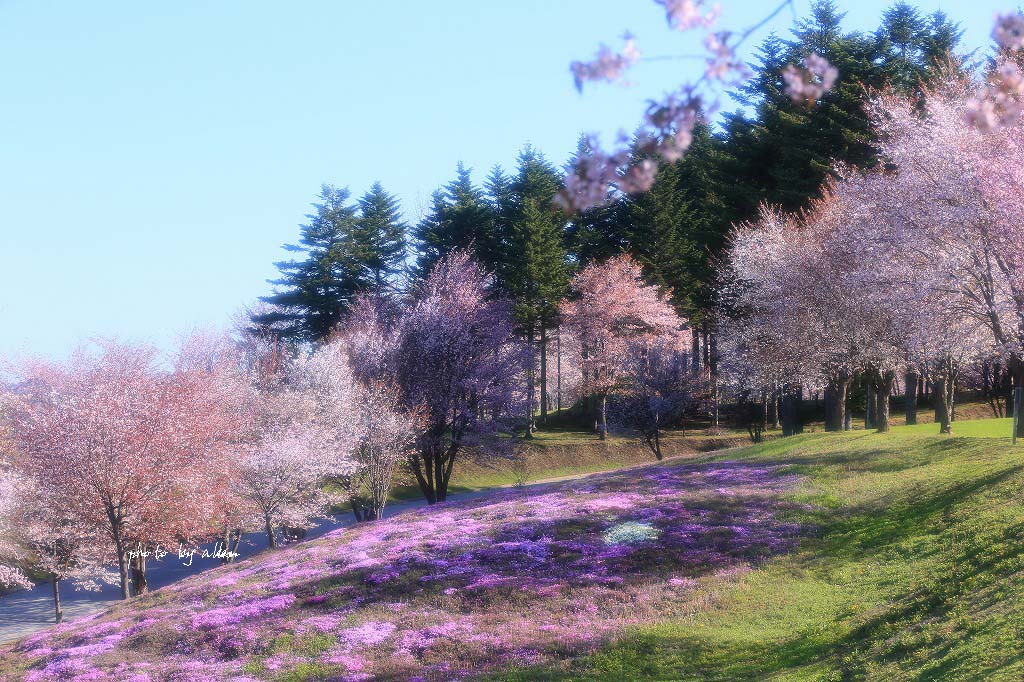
(312,294)
(656,225)
(459,218)
(378,240)
(595,234)
(532,268)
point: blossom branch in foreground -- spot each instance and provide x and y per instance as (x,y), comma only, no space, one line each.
(667,126)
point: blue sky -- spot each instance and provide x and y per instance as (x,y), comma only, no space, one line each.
(157,155)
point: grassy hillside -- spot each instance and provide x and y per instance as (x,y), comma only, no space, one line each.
(820,557)
(913,572)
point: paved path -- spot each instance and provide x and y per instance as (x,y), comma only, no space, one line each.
(25,612)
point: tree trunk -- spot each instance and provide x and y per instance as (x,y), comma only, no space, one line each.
(558,366)
(543,374)
(58,610)
(835,401)
(952,401)
(774,412)
(657,440)
(122,560)
(602,415)
(139,583)
(713,369)
(885,388)
(695,350)
(789,412)
(942,391)
(1016,368)
(869,408)
(440,484)
(227,545)
(530,383)
(910,396)
(269,528)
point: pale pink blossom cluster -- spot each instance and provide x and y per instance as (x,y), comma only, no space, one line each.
(10,575)
(811,81)
(666,130)
(723,64)
(607,66)
(684,15)
(588,183)
(1009,31)
(998,103)
(614,310)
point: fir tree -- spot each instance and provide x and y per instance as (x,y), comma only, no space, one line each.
(459,218)
(312,294)
(378,240)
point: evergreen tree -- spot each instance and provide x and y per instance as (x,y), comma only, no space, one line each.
(597,233)
(312,294)
(783,154)
(656,225)
(378,240)
(459,218)
(533,263)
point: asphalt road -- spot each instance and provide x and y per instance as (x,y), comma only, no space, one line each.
(26,611)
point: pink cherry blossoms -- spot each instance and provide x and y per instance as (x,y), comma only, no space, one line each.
(809,83)
(613,310)
(667,125)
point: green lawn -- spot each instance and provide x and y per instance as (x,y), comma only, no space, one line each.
(975,428)
(911,570)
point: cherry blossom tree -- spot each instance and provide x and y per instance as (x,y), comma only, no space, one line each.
(137,451)
(612,311)
(303,437)
(452,352)
(386,437)
(283,477)
(57,544)
(658,388)
(955,204)
(10,552)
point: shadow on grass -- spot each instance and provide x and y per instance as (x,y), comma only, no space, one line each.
(953,613)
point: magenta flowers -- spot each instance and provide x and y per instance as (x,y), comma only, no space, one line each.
(515,578)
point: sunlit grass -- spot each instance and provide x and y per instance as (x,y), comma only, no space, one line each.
(915,572)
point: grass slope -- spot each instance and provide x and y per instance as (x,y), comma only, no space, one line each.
(914,573)
(820,557)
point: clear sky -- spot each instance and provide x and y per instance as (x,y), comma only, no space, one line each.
(157,155)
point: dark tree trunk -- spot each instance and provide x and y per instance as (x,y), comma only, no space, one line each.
(835,401)
(116,530)
(910,396)
(790,409)
(139,583)
(695,350)
(58,610)
(268,526)
(942,390)
(657,441)
(1016,367)
(543,374)
(886,382)
(713,370)
(773,409)
(530,383)
(869,408)
(558,367)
